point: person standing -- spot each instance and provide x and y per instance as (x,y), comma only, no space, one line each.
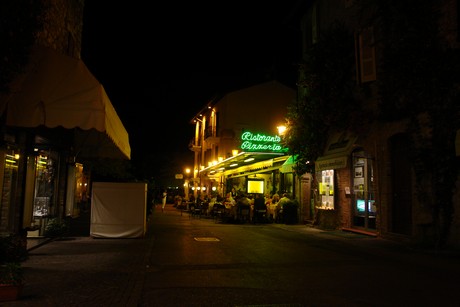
(283,201)
(163,200)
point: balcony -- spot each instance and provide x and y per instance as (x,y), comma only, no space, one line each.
(193,147)
(210,136)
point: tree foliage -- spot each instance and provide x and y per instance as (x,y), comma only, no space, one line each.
(328,102)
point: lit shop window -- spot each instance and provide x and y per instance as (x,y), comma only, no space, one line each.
(326,190)
(44,184)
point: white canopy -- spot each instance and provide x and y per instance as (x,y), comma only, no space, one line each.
(58,90)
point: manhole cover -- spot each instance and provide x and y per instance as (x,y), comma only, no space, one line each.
(206,239)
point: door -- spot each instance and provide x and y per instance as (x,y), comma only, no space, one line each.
(364,206)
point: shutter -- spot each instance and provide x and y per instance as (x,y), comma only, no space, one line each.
(367,55)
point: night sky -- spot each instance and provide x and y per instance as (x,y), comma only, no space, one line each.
(160,63)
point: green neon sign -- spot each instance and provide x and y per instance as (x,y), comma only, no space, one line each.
(261,142)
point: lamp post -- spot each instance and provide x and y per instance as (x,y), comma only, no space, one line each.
(187,183)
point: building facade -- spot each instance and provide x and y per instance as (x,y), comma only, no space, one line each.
(380,172)
(238,145)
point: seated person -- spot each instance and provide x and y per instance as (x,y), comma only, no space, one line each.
(259,207)
(244,207)
(274,206)
(230,206)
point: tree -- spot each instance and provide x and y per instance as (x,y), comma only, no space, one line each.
(327,87)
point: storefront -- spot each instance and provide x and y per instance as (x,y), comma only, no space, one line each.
(56,114)
(254,167)
(259,164)
(345,195)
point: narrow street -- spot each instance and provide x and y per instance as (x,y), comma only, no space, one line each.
(192,261)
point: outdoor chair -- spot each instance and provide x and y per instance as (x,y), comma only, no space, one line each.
(260,216)
(219,212)
(195,211)
(244,213)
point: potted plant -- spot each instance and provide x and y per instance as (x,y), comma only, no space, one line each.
(13,250)
(55,228)
(11,281)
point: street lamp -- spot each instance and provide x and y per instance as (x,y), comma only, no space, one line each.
(281,129)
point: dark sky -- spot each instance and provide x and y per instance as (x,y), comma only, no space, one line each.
(160,62)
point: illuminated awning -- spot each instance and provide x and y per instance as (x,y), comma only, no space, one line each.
(247,162)
(59,91)
(288,165)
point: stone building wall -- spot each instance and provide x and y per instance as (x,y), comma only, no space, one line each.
(62,26)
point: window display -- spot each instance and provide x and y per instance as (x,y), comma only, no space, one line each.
(44,185)
(326,190)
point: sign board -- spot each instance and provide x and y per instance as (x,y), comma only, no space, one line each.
(333,163)
(179,176)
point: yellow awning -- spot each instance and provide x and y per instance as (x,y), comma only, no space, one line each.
(59,91)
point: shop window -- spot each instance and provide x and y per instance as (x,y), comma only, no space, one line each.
(326,190)
(9,184)
(44,185)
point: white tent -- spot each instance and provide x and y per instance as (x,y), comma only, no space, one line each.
(59,91)
(118,210)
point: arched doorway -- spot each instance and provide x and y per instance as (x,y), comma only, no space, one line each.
(401,185)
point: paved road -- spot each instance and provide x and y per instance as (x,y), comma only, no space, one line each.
(186,261)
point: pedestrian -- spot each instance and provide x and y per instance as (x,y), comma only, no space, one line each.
(163,201)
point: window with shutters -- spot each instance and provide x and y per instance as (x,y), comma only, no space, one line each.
(366,55)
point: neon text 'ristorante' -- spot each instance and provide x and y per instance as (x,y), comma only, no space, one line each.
(261,142)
